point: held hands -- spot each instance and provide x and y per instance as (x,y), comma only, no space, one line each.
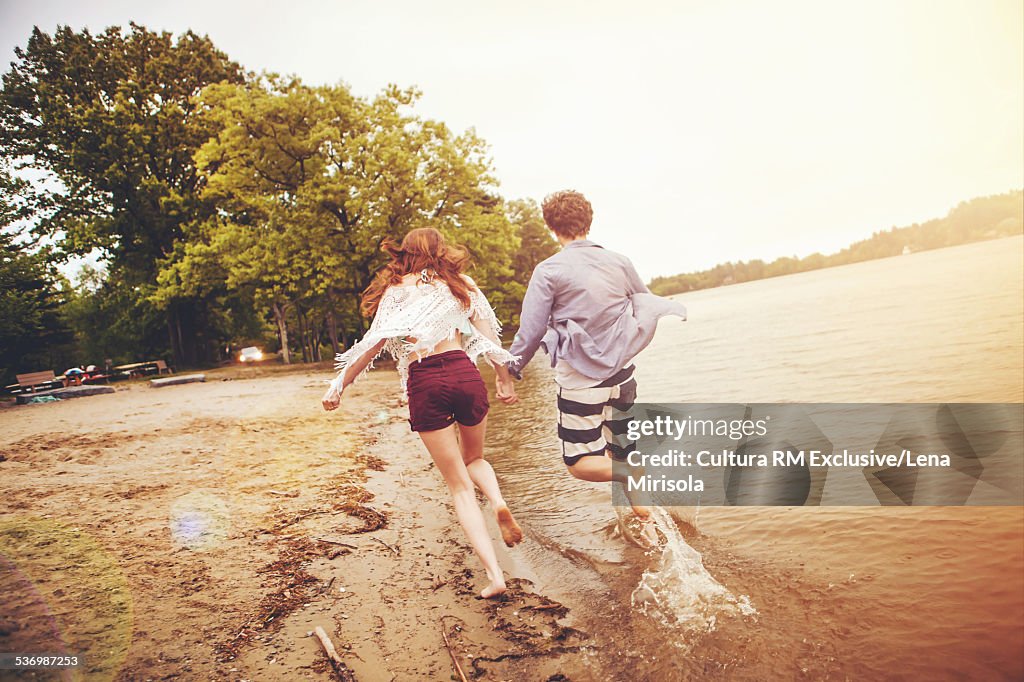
(331,399)
(506,390)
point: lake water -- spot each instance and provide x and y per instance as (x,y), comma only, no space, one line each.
(797,593)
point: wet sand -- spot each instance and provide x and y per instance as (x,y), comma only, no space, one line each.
(202,531)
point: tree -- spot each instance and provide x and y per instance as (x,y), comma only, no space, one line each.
(31,297)
(536,244)
(111,320)
(309,181)
(110,121)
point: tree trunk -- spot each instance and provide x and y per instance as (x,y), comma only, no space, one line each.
(282,332)
(175,347)
(303,336)
(317,330)
(311,333)
(181,344)
(360,321)
(332,330)
(186,320)
(308,333)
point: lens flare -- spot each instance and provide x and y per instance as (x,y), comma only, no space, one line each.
(66,594)
(199,521)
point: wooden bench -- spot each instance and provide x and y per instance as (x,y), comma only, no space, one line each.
(28,382)
(162,368)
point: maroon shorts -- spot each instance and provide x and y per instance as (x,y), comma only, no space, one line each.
(445,388)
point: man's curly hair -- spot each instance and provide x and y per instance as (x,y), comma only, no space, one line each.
(568,213)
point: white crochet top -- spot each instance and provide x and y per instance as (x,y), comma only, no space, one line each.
(429,313)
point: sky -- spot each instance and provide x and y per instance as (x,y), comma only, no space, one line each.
(701,131)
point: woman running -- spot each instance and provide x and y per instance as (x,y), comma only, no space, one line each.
(436,322)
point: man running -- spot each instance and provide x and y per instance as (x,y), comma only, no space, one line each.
(592,314)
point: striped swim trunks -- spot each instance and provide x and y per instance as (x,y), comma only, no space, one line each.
(592,421)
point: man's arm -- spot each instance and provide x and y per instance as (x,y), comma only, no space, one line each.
(533,320)
(633,281)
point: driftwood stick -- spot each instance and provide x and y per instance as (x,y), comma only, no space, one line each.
(336,542)
(296,519)
(332,653)
(283,494)
(448,646)
(397,552)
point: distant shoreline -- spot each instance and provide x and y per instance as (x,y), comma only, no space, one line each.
(977,220)
(844,265)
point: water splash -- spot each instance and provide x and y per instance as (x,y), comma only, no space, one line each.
(677,590)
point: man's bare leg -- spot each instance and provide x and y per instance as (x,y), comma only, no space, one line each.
(597,469)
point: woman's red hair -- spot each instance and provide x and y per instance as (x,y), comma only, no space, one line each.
(422,249)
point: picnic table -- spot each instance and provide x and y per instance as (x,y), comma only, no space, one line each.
(135,368)
(138,369)
(31,382)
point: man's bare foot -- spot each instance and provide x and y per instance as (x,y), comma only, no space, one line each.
(639,531)
(642,513)
(511,533)
(648,533)
(496,588)
(646,525)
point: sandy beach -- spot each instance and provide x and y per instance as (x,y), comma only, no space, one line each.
(203,531)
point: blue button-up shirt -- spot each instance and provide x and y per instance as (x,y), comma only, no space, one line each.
(587,306)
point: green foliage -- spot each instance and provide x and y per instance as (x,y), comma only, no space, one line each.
(33,334)
(111,319)
(308,182)
(114,319)
(977,219)
(230,208)
(109,120)
(536,243)
(218,201)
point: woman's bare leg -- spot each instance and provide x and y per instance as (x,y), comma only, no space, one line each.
(471,444)
(471,440)
(444,450)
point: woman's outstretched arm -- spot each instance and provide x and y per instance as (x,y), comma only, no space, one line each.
(332,398)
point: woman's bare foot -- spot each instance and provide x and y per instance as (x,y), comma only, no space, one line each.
(496,588)
(511,533)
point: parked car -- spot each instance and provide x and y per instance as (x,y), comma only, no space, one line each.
(250,354)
